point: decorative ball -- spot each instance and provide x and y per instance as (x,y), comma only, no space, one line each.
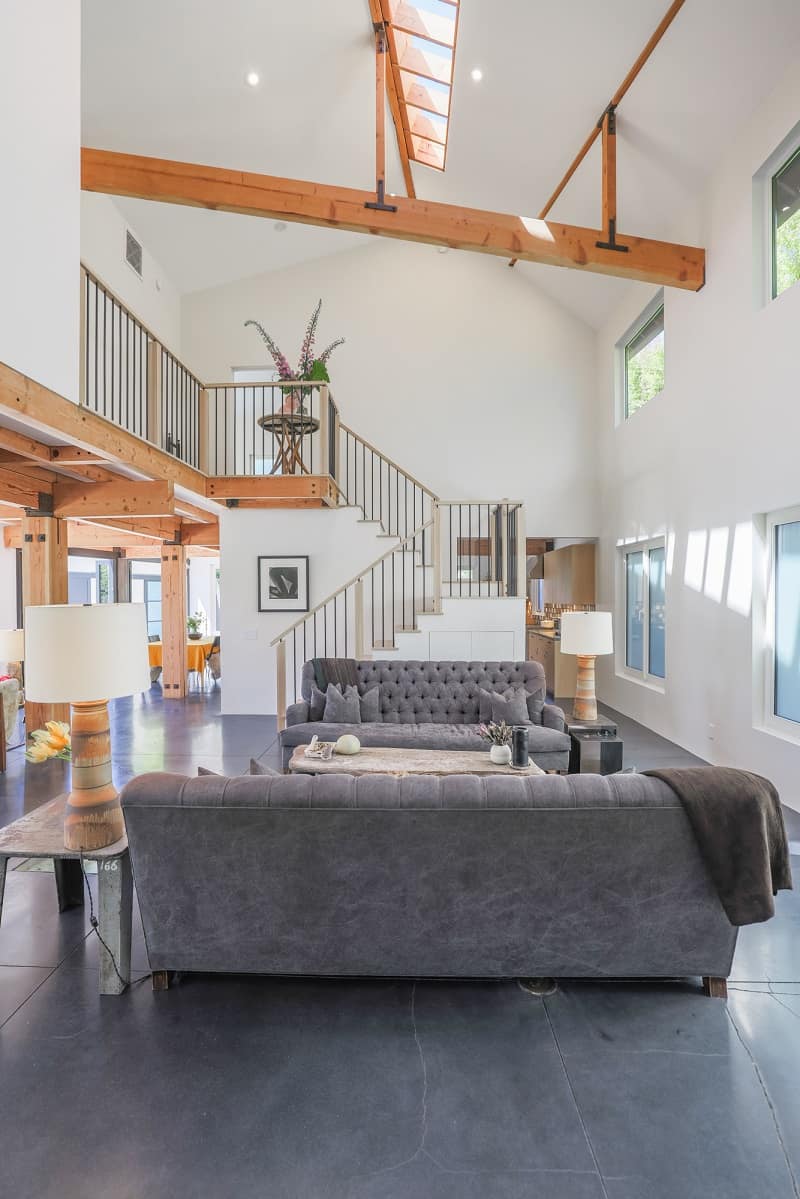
(348,744)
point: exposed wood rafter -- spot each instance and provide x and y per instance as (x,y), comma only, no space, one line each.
(553,244)
(613,104)
(394,108)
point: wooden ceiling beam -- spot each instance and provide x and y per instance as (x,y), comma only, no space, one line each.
(22,490)
(156,528)
(71,455)
(128,498)
(192,511)
(553,244)
(195,534)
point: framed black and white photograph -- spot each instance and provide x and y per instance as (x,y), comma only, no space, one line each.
(282,584)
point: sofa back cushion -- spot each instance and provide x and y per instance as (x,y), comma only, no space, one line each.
(441,692)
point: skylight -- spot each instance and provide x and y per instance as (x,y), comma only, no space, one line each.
(422,45)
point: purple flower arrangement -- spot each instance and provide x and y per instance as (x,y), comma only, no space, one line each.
(312,368)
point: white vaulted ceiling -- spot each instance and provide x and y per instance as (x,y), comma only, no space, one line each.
(168,79)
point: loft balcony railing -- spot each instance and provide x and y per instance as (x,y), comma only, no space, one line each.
(128,376)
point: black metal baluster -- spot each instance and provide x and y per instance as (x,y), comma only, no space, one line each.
(450,584)
(346,626)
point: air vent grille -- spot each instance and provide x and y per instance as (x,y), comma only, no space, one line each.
(133,252)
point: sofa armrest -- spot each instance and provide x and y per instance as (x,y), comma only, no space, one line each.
(553,718)
(297,713)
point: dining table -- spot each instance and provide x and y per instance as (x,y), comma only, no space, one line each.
(196,653)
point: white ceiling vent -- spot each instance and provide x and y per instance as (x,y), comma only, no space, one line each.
(133,253)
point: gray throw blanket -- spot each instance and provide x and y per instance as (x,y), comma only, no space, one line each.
(737,820)
(341,672)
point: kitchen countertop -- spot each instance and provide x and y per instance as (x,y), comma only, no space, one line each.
(550,634)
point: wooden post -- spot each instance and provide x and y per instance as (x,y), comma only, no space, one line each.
(715,988)
(44,581)
(380,112)
(324,431)
(82,344)
(609,222)
(202,429)
(361,649)
(522,554)
(173,621)
(436,551)
(504,543)
(154,430)
(280,667)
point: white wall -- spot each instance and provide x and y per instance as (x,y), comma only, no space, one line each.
(8,586)
(203,591)
(456,367)
(468,630)
(153,298)
(39,205)
(337,545)
(718,446)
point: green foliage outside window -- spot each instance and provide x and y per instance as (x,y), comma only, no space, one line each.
(644,364)
(787,253)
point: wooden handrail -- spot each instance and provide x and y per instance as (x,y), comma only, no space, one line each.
(346,429)
(355,579)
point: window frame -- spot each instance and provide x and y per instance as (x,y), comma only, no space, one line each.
(646,315)
(773,226)
(771,721)
(656,682)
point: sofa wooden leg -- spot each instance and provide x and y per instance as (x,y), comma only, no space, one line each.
(160,980)
(715,988)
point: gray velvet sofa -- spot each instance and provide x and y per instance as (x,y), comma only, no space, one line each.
(460,876)
(435,705)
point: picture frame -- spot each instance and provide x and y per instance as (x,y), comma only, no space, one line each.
(283,583)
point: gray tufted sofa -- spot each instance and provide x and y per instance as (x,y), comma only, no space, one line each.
(435,705)
(461,876)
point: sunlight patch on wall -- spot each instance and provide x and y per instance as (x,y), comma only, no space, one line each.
(695,559)
(740,581)
(715,564)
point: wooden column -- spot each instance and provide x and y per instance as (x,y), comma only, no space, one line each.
(154,392)
(173,621)
(380,113)
(44,581)
(609,222)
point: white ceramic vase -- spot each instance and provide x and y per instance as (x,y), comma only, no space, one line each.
(500,755)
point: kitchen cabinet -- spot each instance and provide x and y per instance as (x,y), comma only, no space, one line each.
(560,670)
(569,575)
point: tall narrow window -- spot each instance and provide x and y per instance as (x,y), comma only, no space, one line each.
(786,587)
(644,363)
(786,225)
(644,582)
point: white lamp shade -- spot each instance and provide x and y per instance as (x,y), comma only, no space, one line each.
(586,633)
(82,653)
(12,645)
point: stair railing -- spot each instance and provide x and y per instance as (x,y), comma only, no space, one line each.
(370,480)
(482,548)
(362,615)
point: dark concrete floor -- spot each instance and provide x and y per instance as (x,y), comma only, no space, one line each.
(237,1087)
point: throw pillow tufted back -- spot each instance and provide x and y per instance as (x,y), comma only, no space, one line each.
(438,692)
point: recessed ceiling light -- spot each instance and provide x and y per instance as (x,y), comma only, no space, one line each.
(477,74)
(253,78)
(279,226)
(443,249)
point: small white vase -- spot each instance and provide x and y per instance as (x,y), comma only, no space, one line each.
(500,755)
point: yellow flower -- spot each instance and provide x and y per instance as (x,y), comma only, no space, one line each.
(58,734)
(40,751)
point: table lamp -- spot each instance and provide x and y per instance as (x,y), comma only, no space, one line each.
(12,646)
(85,655)
(586,634)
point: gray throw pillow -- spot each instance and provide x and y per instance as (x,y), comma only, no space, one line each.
(512,708)
(262,768)
(202,771)
(535,706)
(316,707)
(370,703)
(342,708)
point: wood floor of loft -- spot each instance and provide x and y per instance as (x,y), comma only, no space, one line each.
(273,491)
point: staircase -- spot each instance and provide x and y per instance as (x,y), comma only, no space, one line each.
(442,550)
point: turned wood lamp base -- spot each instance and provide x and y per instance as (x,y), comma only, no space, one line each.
(585,705)
(93,816)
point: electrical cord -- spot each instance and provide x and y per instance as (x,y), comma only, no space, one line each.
(95,923)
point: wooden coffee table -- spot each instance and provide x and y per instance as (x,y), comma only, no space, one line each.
(377,760)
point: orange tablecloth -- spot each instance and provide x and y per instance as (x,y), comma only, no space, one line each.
(196,653)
